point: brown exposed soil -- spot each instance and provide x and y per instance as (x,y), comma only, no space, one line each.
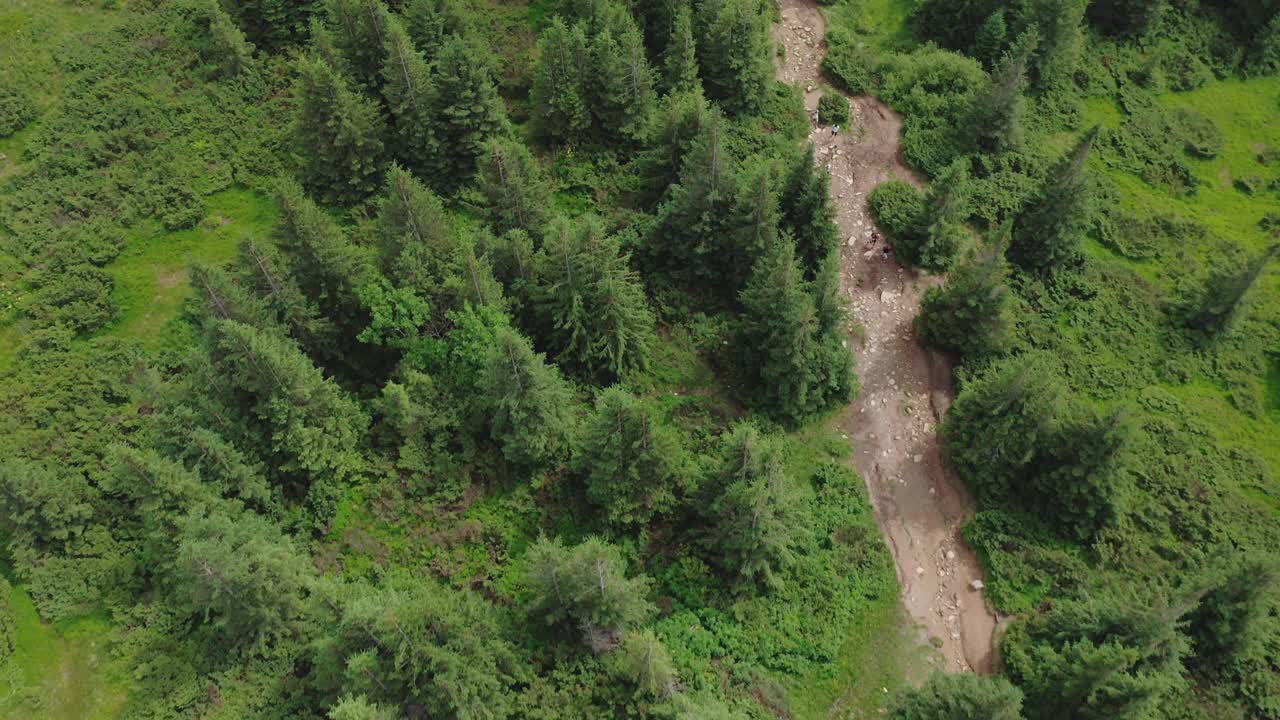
(906,389)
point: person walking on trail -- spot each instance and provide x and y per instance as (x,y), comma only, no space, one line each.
(835,130)
(815,118)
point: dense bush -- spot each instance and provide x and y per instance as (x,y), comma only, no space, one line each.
(833,108)
(897,206)
(16,110)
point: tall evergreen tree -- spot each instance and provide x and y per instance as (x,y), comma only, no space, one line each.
(648,665)
(311,428)
(959,696)
(995,124)
(680,58)
(414,643)
(634,464)
(471,280)
(1231,616)
(409,91)
(807,211)
(416,237)
(755,514)
(272,24)
(1085,480)
(620,85)
(266,273)
(527,402)
(239,574)
(468,112)
(339,134)
(360,36)
(1048,232)
(225,48)
(794,371)
(517,190)
(1061,27)
(677,124)
(734,54)
(694,230)
(1223,296)
(590,302)
(429,22)
(585,586)
(559,92)
(756,219)
(972,313)
(942,235)
(328,267)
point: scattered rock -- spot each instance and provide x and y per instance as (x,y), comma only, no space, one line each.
(977,585)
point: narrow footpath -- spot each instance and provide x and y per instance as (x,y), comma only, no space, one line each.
(906,389)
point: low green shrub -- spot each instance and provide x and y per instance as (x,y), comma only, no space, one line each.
(897,206)
(16,110)
(833,109)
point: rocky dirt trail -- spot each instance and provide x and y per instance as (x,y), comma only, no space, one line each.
(906,389)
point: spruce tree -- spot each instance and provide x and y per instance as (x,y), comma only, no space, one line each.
(734,54)
(635,465)
(429,22)
(358,707)
(756,219)
(338,133)
(328,267)
(312,429)
(409,91)
(972,313)
(679,121)
(471,279)
(755,513)
(807,212)
(792,370)
(680,58)
(942,235)
(559,92)
(620,85)
(1223,296)
(272,24)
(584,586)
(995,123)
(413,642)
(516,187)
(959,696)
(590,303)
(1048,232)
(360,36)
(265,272)
(416,237)
(528,403)
(695,223)
(646,662)
(1231,615)
(225,47)
(1060,24)
(1083,482)
(238,574)
(468,112)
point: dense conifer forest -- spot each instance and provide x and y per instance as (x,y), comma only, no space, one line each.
(487,359)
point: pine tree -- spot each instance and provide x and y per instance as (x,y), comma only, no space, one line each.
(619,83)
(265,272)
(416,237)
(999,422)
(314,428)
(585,586)
(756,219)
(635,465)
(590,302)
(327,266)
(241,576)
(272,24)
(517,190)
(678,123)
(413,642)
(807,212)
(959,696)
(409,91)
(786,360)
(734,54)
(360,36)
(942,234)
(339,134)
(972,313)
(1218,306)
(755,516)
(471,280)
(1047,234)
(468,112)
(995,124)
(646,662)
(527,402)
(1083,482)
(559,93)
(226,48)
(1061,27)
(680,59)
(1230,617)
(430,22)
(695,222)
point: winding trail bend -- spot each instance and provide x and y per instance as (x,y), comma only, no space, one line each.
(906,389)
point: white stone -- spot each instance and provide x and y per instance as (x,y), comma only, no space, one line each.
(976,585)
